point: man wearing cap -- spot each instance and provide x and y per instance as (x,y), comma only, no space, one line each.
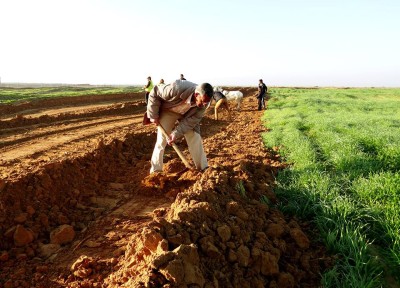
(184,103)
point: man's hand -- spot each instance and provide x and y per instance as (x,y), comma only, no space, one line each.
(171,139)
(155,121)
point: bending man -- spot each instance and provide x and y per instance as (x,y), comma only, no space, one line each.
(220,100)
(181,101)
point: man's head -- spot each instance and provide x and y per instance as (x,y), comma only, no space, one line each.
(149,78)
(203,94)
(260,80)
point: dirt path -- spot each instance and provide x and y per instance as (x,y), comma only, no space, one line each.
(78,209)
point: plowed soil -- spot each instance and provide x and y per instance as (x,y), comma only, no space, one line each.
(79,209)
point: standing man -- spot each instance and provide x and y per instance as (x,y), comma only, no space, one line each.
(262,90)
(182,77)
(147,89)
(185,102)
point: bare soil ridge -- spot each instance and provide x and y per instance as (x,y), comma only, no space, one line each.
(83,212)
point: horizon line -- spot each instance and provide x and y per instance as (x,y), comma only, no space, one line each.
(44,84)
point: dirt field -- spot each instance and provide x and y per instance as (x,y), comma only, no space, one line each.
(79,209)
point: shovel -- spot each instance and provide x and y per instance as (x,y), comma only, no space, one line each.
(147,121)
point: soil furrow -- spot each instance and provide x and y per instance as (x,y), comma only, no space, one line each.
(47,119)
(46,133)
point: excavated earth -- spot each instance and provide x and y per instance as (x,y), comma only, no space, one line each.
(78,207)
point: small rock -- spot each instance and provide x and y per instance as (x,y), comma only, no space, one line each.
(22,236)
(62,235)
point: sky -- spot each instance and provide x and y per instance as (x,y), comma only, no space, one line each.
(349,43)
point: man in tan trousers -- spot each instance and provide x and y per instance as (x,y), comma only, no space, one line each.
(184,103)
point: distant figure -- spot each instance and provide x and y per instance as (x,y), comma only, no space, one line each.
(182,77)
(262,91)
(147,89)
(220,100)
(161,83)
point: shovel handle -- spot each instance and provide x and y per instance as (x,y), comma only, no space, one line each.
(178,151)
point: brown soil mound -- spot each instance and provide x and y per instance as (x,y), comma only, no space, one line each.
(85,213)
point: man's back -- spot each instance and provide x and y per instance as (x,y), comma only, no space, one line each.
(262,88)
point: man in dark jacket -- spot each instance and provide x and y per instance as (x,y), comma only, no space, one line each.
(181,101)
(262,91)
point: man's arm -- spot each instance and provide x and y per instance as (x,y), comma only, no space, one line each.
(154,104)
(190,122)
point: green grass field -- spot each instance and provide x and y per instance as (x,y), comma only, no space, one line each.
(11,95)
(343,147)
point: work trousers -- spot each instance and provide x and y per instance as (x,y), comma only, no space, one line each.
(222,102)
(146,97)
(193,139)
(261,101)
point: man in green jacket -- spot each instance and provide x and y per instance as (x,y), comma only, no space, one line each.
(185,102)
(148,88)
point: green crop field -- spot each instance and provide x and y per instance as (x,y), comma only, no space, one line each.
(12,95)
(343,151)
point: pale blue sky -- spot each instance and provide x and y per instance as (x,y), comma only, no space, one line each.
(228,42)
